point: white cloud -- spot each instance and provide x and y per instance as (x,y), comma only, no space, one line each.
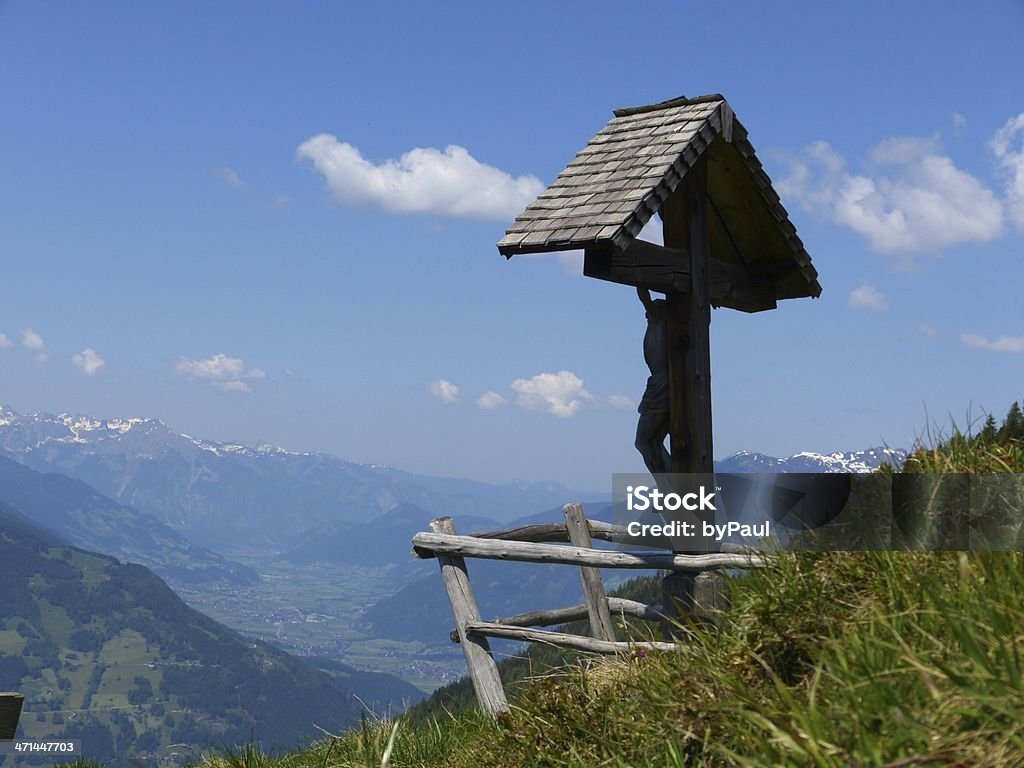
(1002,344)
(444,391)
(868,297)
(927,330)
(33,341)
(560,394)
(282,201)
(228,175)
(490,400)
(959,123)
(5,343)
(621,402)
(915,201)
(89,361)
(1008,146)
(448,182)
(228,374)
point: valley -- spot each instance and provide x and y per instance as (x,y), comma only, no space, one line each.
(316,611)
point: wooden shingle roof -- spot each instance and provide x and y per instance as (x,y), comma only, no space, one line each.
(624,174)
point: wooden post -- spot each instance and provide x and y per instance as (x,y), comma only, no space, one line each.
(685,215)
(601,626)
(685,227)
(10,713)
(482,669)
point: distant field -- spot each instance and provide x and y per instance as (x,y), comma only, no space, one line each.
(314,611)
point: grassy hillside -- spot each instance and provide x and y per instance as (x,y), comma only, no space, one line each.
(107,653)
(827,660)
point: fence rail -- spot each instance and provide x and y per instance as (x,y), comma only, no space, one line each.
(528,552)
(545,544)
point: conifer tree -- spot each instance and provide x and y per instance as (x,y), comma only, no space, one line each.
(1013,425)
(989,432)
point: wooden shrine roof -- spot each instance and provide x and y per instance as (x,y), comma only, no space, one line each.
(624,174)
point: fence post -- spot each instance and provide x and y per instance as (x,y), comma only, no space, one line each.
(697,597)
(600,616)
(10,713)
(482,669)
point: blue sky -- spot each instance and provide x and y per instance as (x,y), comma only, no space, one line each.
(177,242)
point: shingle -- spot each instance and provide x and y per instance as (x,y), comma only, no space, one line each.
(588,233)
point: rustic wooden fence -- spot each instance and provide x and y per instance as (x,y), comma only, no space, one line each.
(544,544)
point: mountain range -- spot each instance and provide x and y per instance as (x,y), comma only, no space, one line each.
(225,495)
(88,519)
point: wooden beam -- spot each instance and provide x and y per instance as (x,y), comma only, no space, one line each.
(555,532)
(576,642)
(685,216)
(656,268)
(524,552)
(482,668)
(600,618)
(618,606)
(537,533)
(726,117)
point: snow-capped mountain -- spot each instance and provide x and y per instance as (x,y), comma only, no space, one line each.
(226,494)
(807,461)
(24,434)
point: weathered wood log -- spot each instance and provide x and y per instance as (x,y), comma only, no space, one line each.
(601,626)
(657,268)
(10,713)
(685,217)
(517,551)
(618,606)
(482,669)
(562,639)
(536,533)
(556,533)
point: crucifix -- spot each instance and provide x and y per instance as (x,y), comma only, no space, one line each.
(728,242)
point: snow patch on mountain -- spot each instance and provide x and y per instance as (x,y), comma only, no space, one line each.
(809,461)
(37,430)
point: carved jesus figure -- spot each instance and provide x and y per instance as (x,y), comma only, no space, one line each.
(653,425)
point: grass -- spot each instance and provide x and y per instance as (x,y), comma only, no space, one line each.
(858,659)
